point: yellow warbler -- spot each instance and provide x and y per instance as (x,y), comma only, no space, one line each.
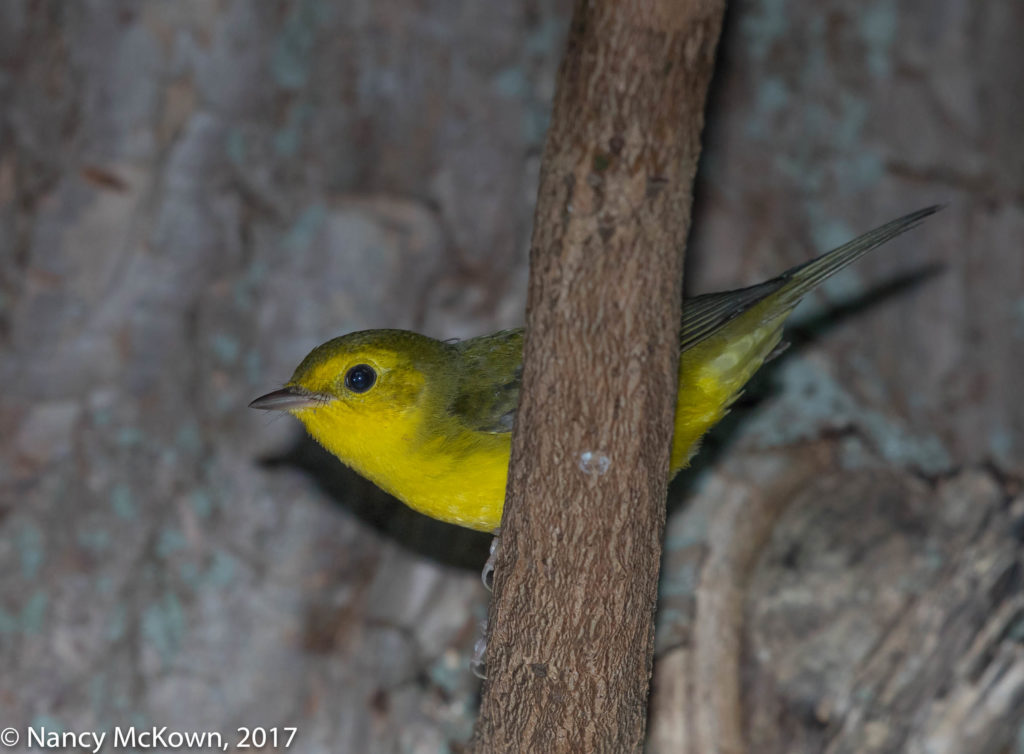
(430,421)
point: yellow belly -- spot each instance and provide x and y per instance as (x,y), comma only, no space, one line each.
(464,487)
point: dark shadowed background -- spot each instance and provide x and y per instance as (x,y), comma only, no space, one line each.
(194,194)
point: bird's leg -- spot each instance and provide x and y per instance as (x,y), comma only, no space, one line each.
(487,575)
(478,663)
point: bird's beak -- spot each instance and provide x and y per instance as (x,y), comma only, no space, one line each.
(289,398)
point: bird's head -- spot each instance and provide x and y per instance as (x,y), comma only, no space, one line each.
(355,391)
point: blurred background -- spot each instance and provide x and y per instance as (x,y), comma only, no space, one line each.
(194,194)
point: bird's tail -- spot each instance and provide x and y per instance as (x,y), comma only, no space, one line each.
(703,316)
(799,280)
(726,337)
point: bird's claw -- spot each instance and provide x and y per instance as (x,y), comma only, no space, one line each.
(487,575)
(478,663)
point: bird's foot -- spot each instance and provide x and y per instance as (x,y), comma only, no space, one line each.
(487,575)
(478,662)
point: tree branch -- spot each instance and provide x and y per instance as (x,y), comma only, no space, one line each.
(571,642)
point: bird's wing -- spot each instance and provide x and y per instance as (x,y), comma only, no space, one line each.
(492,372)
(705,315)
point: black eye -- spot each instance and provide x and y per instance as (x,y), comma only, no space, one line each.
(360,378)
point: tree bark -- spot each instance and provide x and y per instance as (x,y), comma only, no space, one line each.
(571,642)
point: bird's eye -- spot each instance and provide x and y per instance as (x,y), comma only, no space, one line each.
(360,378)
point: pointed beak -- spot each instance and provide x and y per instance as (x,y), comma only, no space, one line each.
(287,399)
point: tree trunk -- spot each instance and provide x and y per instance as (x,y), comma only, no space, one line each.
(571,642)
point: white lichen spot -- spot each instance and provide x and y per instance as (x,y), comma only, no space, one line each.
(594,462)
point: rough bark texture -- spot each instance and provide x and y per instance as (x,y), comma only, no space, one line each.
(193,194)
(572,629)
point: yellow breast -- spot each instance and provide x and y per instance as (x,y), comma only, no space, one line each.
(458,478)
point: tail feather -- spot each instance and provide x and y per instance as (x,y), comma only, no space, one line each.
(803,278)
(726,337)
(703,316)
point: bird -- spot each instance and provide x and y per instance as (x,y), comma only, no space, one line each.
(431,421)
